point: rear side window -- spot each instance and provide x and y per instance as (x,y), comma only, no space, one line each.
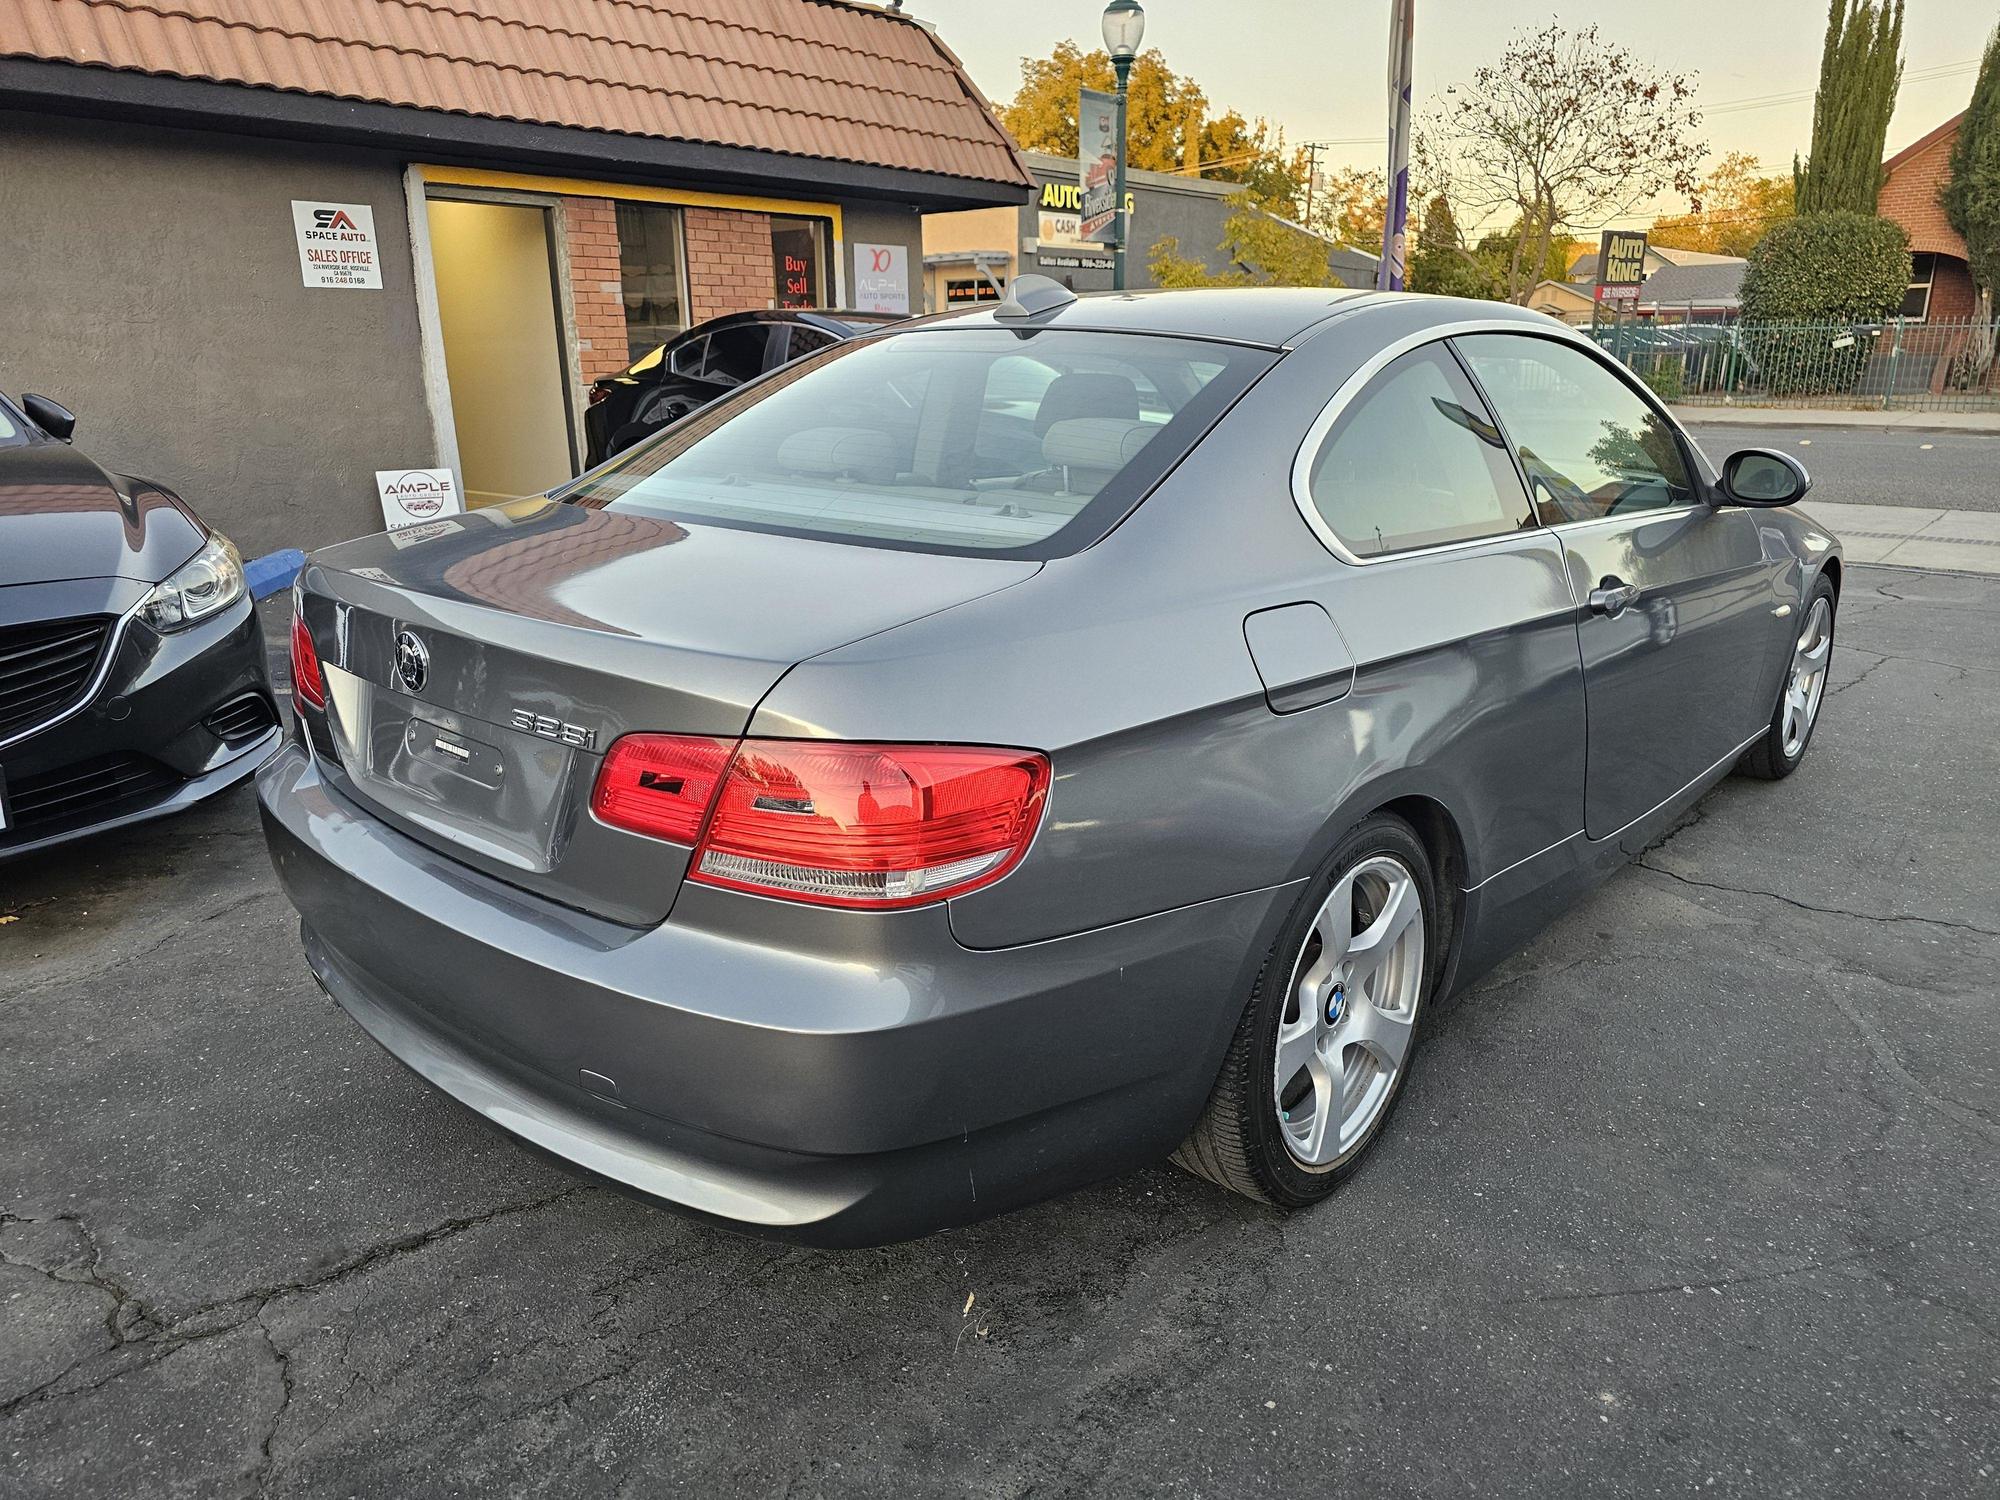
(984,440)
(1415,461)
(1589,444)
(686,358)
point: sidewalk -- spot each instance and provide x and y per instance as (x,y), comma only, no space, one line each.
(1823,416)
(1900,536)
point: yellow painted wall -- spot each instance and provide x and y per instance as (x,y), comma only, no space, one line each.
(503,353)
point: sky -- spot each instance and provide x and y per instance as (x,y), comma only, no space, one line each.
(1318,67)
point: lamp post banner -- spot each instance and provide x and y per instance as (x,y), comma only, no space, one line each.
(1097,164)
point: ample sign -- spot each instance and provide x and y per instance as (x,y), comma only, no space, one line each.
(882,278)
(411,497)
(1097,163)
(337,244)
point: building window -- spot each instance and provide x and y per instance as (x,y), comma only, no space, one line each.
(1917,300)
(649,269)
(958,293)
(799,257)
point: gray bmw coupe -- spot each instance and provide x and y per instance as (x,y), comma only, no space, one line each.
(1022,745)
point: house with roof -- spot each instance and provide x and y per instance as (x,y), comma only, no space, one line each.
(267,252)
(1941,286)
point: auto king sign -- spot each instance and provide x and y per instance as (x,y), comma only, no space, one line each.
(1621,264)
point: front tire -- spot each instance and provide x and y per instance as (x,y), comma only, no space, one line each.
(1327,1039)
(1783,746)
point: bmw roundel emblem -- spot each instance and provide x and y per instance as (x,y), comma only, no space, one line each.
(413,660)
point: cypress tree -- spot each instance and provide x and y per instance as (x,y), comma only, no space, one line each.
(1860,67)
(1971,194)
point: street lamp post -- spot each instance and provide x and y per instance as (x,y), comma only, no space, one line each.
(1124,26)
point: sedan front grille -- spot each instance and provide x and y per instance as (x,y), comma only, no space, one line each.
(87,792)
(46,667)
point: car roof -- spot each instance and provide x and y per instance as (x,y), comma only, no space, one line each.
(1272,317)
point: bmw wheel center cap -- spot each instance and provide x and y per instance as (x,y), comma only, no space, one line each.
(1336,1005)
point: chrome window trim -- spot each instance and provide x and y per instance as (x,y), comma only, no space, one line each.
(93,687)
(1344,396)
(1352,387)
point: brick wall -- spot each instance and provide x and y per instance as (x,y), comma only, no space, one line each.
(728,261)
(1910,197)
(1952,292)
(591,228)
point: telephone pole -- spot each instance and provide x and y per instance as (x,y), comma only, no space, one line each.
(1395,222)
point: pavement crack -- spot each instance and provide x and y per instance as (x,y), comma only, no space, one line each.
(267,1468)
(1865,673)
(136,1329)
(1746,1278)
(1823,911)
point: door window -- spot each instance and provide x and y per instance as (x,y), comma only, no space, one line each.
(736,354)
(1415,461)
(799,260)
(1589,444)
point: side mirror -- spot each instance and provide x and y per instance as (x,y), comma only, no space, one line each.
(1764,476)
(56,421)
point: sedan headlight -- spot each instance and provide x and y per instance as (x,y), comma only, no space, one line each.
(209,581)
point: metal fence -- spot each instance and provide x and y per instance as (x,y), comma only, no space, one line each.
(1932,366)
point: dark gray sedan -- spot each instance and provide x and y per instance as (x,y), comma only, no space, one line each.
(1023,745)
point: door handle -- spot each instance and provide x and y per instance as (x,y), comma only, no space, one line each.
(1613,596)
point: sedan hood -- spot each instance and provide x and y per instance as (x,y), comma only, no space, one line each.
(62,517)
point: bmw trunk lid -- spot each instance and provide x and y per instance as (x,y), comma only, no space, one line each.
(478,667)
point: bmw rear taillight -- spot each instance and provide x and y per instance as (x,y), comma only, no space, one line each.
(660,785)
(307,683)
(870,826)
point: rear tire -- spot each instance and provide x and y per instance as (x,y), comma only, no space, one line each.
(1342,993)
(1784,744)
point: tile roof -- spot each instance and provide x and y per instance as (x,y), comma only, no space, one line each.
(826,79)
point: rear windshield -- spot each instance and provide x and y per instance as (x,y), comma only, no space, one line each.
(985,440)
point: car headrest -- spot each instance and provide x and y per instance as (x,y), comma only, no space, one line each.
(1103,443)
(1086,393)
(840,452)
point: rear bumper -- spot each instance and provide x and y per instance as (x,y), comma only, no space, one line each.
(175,719)
(833,1077)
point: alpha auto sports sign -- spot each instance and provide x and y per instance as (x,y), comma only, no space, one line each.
(337,244)
(412,496)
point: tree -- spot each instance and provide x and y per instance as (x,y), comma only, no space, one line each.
(1348,207)
(1261,251)
(1165,114)
(1565,132)
(1440,263)
(1971,195)
(1737,208)
(1860,67)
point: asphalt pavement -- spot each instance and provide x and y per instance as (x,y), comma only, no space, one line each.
(1859,465)
(1695,1194)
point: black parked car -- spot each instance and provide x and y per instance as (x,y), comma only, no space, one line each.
(710,358)
(132,674)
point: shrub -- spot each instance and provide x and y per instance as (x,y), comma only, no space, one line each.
(1832,268)
(1665,377)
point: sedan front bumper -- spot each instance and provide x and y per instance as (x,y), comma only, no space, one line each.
(838,1078)
(169,720)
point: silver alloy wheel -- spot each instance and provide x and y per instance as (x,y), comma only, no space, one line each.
(1350,1011)
(1806,681)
